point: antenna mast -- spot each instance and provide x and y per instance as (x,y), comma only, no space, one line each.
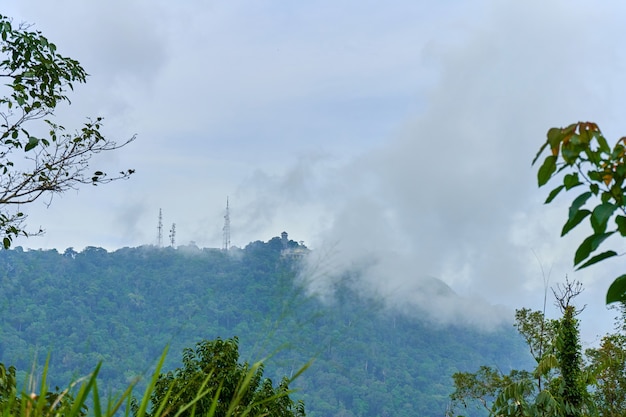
(160,229)
(173,234)
(226,229)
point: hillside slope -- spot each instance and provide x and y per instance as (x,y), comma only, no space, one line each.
(124,307)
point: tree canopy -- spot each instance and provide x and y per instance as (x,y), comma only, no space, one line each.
(213,382)
(565,381)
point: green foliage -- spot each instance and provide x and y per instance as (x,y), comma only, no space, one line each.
(8,388)
(213,382)
(33,163)
(557,386)
(485,385)
(607,363)
(580,155)
(182,397)
(520,392)
(51,403)
(536,331)
(569,357)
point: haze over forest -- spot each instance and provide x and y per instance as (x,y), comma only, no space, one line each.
(393,138)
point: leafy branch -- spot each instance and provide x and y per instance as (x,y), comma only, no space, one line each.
(43,164)
(581,157)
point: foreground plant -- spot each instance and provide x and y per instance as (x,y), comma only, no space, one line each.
(560,385)
(211,383)
(580,156)
(50,403)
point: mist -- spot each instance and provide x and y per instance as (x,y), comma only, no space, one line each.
(450,197)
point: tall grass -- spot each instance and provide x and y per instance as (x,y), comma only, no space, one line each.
(82,397)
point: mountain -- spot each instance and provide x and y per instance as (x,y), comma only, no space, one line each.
(124,307)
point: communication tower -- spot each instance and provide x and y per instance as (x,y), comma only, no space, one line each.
(160,230)
(173,234)
(226,229)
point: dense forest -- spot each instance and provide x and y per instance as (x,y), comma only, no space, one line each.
(123,308)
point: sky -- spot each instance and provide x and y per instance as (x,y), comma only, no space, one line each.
(393,137)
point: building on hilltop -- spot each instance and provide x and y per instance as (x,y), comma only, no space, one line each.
(292,249)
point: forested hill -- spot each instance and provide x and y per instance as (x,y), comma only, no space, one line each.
(124,307)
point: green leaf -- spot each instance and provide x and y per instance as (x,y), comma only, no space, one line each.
(6,242)
(595,175)
(572,222)
(540,152)
(617,290)
(32,143)
(603,146)
(595,188)
(571,180)
(600,257)
(553,194)
(621,224)
(578,203)
(590,244)
(601,215)
(547,169)
(546,143)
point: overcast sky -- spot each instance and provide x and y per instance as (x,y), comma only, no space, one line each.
(393,136)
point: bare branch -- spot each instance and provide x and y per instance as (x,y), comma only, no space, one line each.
(565,293)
